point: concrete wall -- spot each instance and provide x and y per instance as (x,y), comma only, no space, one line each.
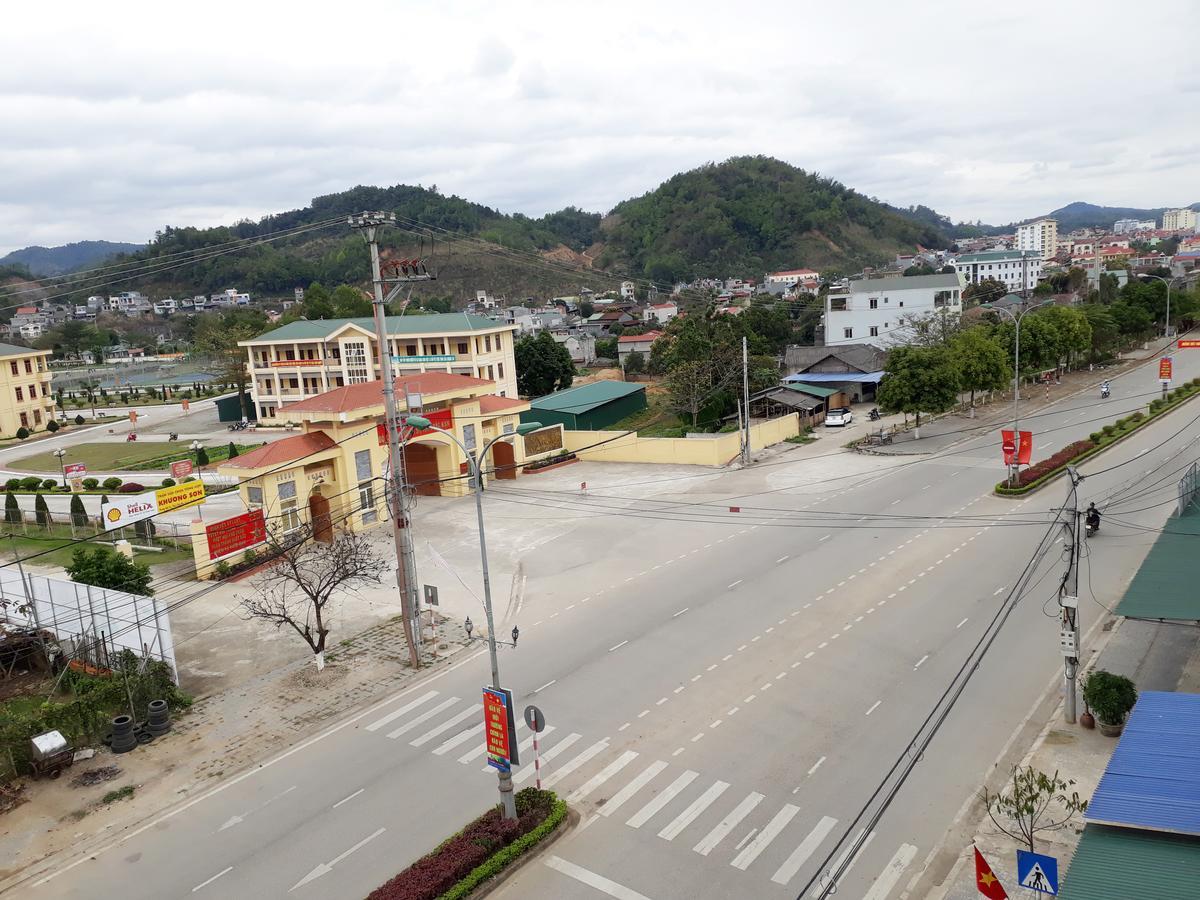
(697,450)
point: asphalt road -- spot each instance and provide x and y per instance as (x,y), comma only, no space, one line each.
(725,689)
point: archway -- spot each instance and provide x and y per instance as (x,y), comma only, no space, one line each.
(421,469)
(504,460)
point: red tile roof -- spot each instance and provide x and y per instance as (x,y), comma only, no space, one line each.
(283,451)
(370,393)
(492,404)
(639,338)
(26,310)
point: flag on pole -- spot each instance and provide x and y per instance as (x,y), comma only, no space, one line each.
(988,884)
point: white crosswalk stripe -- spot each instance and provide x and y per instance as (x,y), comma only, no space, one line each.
(461,737)
(640,780)
(639,818)
(397,713)
(765,837)
(689,815)
(709,842)
(446,726)
(602,776)
(526,773)
(574,763)
(800,855)
(423,717)
(482,748)
(821,885)
(891,873)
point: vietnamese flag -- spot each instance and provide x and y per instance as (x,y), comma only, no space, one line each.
(988,884)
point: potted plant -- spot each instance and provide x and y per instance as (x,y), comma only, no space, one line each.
(1110,697)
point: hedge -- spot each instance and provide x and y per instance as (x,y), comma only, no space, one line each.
(479,852)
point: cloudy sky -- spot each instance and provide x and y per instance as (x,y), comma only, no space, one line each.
(120,118)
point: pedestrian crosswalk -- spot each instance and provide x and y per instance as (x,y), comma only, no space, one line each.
(675,802)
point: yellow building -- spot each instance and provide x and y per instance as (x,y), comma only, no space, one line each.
(26,399)
(303,359)
(342,452)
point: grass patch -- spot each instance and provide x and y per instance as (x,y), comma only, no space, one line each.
(121,793)
(58,551)
(804,437)
(124,456)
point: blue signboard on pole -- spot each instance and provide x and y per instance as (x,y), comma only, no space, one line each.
(1037,872)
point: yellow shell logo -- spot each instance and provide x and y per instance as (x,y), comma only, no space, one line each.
(114,515)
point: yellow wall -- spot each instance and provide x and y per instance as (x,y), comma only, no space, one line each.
(38,410)
(714,450)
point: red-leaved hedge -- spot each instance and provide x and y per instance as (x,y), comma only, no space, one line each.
(130,487)
(1046,466)
(436,873)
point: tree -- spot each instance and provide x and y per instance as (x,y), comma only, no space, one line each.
(305,576)
(201,457)
(41,512)
(606,348)
(1036,803)
(586,309)
(918,269)
(692,387)
(543,365)
(79,516)
(231,451)
(635,363)
(12,510)
(51,426)
(1073,332)
(350,303)
(988,290)
(318,304)
(919,379)
(929,329)
(72,336)
(219,336)
(102,567)
(982,363)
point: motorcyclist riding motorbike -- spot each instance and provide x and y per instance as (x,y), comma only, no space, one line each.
(1092,517)
(1105,390)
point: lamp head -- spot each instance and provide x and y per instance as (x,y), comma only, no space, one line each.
(417,421)
(528,427)
(516,633)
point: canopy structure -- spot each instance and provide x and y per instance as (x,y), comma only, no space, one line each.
(836,377)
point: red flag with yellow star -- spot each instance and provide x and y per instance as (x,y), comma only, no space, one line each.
(988,884)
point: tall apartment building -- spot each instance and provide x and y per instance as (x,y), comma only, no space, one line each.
(1179,220)
(877,310)
(1018,270)
(1040,236)
(26,399)
(1131,226)
(307,358)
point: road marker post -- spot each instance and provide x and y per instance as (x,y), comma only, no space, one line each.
(537,724)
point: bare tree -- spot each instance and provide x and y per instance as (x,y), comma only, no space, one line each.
(1036,803)
(305,575)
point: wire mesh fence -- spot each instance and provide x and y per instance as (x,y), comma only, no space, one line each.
(1187,490)
(64,526)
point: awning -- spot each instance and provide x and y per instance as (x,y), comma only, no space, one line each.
(812,390)
(1164,586)
(794,399)
(836,377)
(1120,863)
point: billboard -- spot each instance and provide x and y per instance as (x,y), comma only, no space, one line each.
(179,496)
(127,510)
(1164,369)
(75,470)
(237,533)
(181,469)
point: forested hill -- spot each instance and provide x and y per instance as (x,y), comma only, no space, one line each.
(45,261)
(753,214)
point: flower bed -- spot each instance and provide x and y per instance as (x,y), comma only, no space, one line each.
(562,459)
(1045,471)
(479,852)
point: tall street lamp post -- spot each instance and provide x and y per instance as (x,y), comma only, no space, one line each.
(421,423)
(1016,317)
(1168,282)
(60,453)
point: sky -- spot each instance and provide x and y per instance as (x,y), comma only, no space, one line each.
(119,119)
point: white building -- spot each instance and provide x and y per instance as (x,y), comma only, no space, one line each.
(877,310)
(166,307)
(660,313)
(792,276)
(1040,236)
(627,290)
(1179,220)
(230,297)
(635,343)
(125,300)
(1130,226)
(1017,270)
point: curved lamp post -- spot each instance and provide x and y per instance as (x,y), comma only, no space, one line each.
(60,453)
(1168,282)
(421,423)
(1016,317)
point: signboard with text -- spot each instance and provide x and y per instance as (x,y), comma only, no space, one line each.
(75,470)
(237,533)
(1164,369)
(499,726)
(409,360)
(1024,450)
(130,509)
(290,363)
(442,418)
(181,469)
(1189,344)
(179,496)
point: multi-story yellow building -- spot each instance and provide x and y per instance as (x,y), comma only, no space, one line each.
(304,359)
(1179,219)
(26,400)
(1040,236)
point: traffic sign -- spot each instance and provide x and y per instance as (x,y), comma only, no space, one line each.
(534,719)
(1008,446)
(431,595)
(1037,872)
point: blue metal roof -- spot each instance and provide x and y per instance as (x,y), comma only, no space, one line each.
(1153,778)
(836,377)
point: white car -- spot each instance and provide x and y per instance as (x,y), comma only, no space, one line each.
(839,416)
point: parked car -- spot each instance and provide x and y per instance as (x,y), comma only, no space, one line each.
(839,416)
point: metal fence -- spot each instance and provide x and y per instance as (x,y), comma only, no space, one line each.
(1186,490)
(64,526)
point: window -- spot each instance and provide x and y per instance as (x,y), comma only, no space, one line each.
(15,370)
(37,417)
(24,420)
(874,331)
(29,366)
(254,497)
(500,369)
(410,349)
(487,343)
(20,395)
(469,436)
(847,332)
(32,391)
(874,303)
(287,490)
(362,465)
(289,515)
(463,348)
(508,427)
(901,302)
(356,362)
(366,503)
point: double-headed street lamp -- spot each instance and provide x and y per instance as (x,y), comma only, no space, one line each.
(60,453)
(196,447)
(1016,317)
(421,423)
(1168,282)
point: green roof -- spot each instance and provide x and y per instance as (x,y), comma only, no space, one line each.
(993,255)
(438,323)
(811,389)
(1163,586)
(585,398)
(14,350)
(1113,863)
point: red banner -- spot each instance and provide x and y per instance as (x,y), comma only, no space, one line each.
(181,469)
(496,734)
(231,535)
(442,418)
(1188,344)
(75,470)
(1164,369)
(1024,451)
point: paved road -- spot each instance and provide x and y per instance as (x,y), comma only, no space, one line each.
(725,688)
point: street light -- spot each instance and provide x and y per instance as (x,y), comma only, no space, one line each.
(1168,282)
(60,453)
(421,423)
(196,447)
(1016,317)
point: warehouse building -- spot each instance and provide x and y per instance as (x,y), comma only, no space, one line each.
(589,407)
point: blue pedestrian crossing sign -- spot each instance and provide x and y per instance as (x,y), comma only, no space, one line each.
(1038,873)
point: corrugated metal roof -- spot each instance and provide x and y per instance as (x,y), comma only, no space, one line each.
(836,377)
(900,283)
(1124,864)
(1153,777)
(811,389)
(1164,587)
(586,397)
(438,323)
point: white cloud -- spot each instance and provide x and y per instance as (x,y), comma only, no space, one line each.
(115,125)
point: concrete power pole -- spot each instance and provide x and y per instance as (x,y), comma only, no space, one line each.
(746,403)
(1068,602)
(406,564)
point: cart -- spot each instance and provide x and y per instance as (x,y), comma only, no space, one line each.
(49,754)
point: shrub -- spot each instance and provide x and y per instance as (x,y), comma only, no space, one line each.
(13,484)
(232,450)
(1058,460)
(79,420)
(91,483)
(49,484)
(22,432)
(1137,417)
(188,479)
(12,510)
(201,457)
(31,483)
(168,482)
(130,487)
(1109,696)
(1109,429)
(42,512)
(1095,437)
(111,483)
(52,426)
(102,567)
(79,515)
(223,570)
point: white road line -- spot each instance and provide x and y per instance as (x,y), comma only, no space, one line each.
(803,851)
(714,723)
(894,502)
(998,591)
(710,668)
(591,879)
(732,710)
(742,843)
(639,782)
(460,738)
(920,662)
(810,654)
(677,751)
(710,841)
(428,736)
(348,799)
(816,765)
(874,706)
(765,837)
(891,873)
(643,815)
(543,687)
(660,701)
(423,717)
(695,808)
(482,748)
(211,880)
(749,698)
(817,891)
(623,727)
(681,612)
(735,584)
(696,737)
(527,772)
(575,762)
(827,537)
(603,775)
(782,559)
(961,624)
(643,713)
(617,646)
(727,657)
(696,678)
(397,713)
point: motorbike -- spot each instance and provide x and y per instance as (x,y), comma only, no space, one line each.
(873,415)
(1105,393)
(173,436)
(1091,527)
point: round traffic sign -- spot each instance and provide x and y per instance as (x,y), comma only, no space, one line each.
(534,719)
(1009,446)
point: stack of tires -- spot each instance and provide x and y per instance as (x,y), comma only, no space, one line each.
(123,739)
(158,718)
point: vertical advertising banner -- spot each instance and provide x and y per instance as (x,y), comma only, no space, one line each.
(499,726)
(1164,369)
(1024,451)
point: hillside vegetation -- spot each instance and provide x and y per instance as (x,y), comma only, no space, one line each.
(47,261)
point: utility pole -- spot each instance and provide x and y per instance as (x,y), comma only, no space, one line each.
(746,402)
(406,564)
(1068,602)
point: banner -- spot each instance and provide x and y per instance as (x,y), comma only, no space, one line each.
(442,418)
(1189,344)
(181,469)
(75,470)
(1024,451)
(179,496)
(237,533)
(127,510)
(499,725)
(1164,369)
(294,363)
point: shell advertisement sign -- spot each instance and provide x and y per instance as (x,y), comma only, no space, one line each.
(126,510)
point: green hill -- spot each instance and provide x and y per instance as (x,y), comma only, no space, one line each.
(48,261)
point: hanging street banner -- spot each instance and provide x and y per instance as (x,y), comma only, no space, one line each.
(442,418)
(499,727)
(237,533)
(129,509)
(1164,369)
(1189,344)
(1024,452)
(179,496)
